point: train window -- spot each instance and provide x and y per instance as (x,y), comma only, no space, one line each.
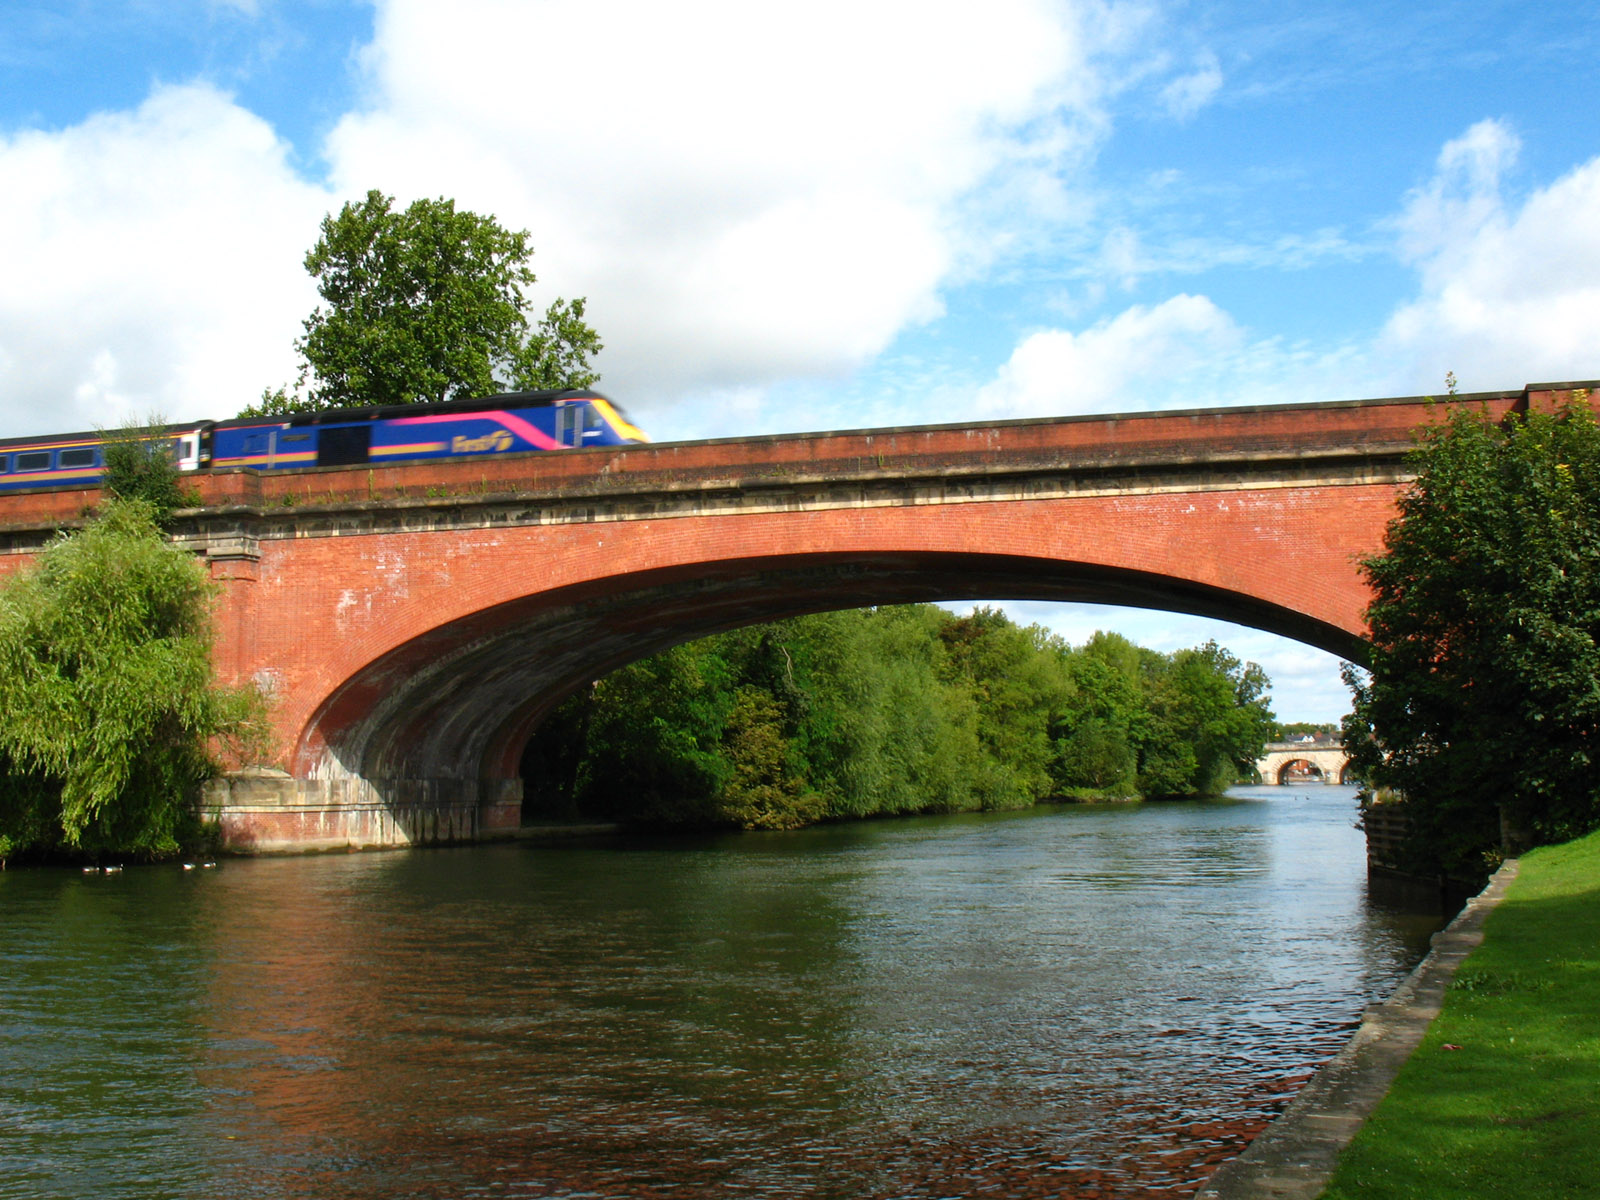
(343,445)
(5,464)
(82,456)
(34,460)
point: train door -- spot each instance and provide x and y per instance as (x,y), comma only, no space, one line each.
(569,424)
(186,451)
(343,445)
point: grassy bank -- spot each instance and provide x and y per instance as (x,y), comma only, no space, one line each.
(1501,1097)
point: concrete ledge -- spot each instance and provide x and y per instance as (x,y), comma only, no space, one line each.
(1295,1156)
(271,813)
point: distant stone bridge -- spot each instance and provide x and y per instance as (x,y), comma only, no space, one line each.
(1304,762)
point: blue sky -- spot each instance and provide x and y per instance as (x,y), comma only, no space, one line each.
(836,215)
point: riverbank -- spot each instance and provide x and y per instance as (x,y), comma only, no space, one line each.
(1499,1098)
(1495,1096)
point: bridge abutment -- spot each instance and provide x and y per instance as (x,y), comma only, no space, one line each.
(266,813)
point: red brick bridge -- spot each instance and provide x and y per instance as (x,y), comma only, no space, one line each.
(413,624)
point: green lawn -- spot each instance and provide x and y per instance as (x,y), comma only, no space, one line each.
(1502,1099)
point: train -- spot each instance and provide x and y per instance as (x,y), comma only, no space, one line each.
(509,423)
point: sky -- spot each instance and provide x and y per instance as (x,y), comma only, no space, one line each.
(829,216)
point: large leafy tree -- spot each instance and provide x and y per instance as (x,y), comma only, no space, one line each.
(1482,703)
(107,707)
(1208,718)
(427,303)
(892,710)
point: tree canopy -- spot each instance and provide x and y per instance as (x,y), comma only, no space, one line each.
(107,706)
(427,303)
(893,710)
(1482,703)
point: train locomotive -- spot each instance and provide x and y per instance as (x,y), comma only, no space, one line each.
(511,423)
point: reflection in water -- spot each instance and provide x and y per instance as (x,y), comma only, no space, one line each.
(1093,1000)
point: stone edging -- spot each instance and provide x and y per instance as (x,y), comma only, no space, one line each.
(1294,1157)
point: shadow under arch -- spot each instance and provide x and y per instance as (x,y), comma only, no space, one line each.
(461,701)
(1299,767)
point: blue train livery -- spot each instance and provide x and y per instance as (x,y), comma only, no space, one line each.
(516,422)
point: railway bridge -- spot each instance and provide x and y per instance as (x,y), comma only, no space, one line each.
(412,624)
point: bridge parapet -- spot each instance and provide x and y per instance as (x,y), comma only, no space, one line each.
(1120,450)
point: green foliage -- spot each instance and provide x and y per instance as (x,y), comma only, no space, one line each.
(761,791)
(139,465)
(1321,730)
(106,701)
(891,710)
(656,760)
(1097,736)
(557,353)
(1482,705)
(1208,721)
(1019,685)
(426,304)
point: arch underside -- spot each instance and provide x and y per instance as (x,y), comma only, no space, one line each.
(461,701)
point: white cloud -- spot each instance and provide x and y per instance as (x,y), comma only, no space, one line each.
(152,263)
(1133,361)
(749,196)
(1510,293)
(745,192)
(1186,95)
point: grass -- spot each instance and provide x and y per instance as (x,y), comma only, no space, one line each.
(1503,1096)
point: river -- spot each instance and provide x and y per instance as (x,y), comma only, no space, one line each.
(1093,1000)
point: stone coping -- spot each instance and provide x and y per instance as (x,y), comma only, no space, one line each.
(1295,1156)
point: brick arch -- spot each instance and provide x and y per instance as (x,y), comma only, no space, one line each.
(460,700)
(413,621)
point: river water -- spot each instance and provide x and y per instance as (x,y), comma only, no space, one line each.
(1096,1000)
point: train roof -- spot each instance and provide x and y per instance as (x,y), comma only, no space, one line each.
(340,416)
(332,416)
(98,435)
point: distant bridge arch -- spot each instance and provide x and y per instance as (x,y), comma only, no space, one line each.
(1301,762)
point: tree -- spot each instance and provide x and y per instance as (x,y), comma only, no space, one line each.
(1207,718)
(1094,737)
(427,304)
(139,465)
(1019,687)
(901,709)
(1481,705)
(107,705)
(761,790)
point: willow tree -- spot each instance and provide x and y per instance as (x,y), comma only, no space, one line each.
(107,706)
